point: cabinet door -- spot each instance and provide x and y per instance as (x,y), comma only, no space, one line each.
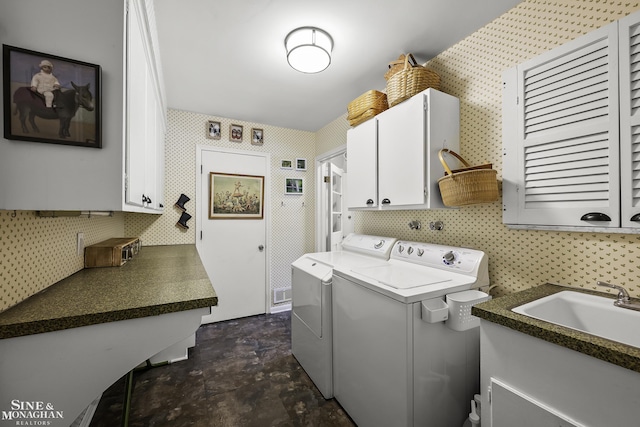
(136,122)
(362,157)
(145,123)
(159,152)
(151,145)
(629,39)
(565,141)
(401,154)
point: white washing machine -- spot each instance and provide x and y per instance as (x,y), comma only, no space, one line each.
(311,319)
(397,362)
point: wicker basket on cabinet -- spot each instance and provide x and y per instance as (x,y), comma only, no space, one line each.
(366,106)
(407,79)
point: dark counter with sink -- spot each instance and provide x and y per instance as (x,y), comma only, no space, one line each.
(159,280)
(498,310)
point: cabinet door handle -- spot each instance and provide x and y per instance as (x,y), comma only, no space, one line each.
(386,201)
(635,218)
(369,201)
(595,216)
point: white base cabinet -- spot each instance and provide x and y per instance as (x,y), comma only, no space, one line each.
(393,157)
(539,383)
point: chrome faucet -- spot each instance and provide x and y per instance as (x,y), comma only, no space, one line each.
(623,301)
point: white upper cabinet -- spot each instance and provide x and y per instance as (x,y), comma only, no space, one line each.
(569,124)
(397,153)
(144,165)
(629,39)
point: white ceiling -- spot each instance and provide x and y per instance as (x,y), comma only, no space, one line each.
(227,57)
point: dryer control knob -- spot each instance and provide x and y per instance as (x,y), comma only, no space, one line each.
(420,252)
(379,244)
(410,250)
(449,258)
(400,248)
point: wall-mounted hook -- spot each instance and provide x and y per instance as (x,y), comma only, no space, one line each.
(415,225)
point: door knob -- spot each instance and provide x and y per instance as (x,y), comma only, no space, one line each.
(261,248)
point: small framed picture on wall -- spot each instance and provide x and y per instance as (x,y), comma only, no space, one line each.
(235,133)
(257,136)
(213,130)
(301,164)
(286,164)
(293,186)
(51,99)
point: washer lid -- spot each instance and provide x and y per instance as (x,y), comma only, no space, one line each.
(317,269)
(405,276)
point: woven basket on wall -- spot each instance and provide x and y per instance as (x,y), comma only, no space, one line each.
(467,186)
(366,106)
(404,82)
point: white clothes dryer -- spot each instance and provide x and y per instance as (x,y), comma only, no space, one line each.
(396,361)
(311,318)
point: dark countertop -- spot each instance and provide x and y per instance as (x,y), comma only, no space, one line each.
(498,310)
(159,280)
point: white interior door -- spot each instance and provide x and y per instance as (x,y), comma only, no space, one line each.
(335,208)
(331,192)
(233,251)
(323,191)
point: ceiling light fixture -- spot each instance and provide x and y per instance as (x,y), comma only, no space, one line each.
(308,49)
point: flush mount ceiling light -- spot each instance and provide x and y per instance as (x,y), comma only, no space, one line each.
(308,49)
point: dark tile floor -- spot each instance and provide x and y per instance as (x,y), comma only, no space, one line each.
(240,373)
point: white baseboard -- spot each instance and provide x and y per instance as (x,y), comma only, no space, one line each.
(280,308)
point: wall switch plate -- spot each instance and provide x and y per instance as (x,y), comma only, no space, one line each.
(80,244)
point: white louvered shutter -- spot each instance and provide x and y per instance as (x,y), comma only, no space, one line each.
(566,134)
(629,30)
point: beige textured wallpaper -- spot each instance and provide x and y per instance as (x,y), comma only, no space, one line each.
(332,135)
(37,252)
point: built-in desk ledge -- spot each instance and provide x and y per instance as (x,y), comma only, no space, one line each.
(159,280)
(498,310)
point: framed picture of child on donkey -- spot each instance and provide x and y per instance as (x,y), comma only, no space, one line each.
(50,99)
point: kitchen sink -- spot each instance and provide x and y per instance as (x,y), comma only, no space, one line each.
(588,313)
